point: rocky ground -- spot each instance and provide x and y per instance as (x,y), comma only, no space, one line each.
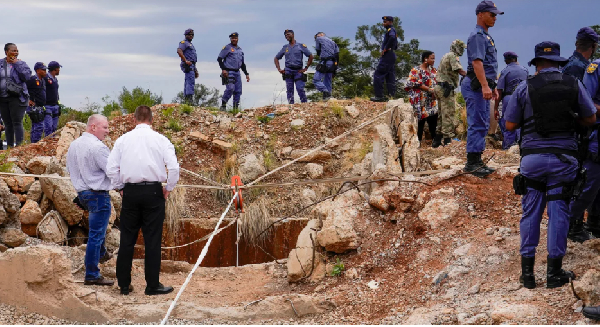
(435,248)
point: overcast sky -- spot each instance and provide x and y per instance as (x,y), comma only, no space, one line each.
(105,45)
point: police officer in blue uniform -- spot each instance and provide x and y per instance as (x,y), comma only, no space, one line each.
(585,46)
(187,53)
(52,98)
(548,106)
(589,198)
(36,85)
(509,79)
(478,87)
(329,54)
(293,72)
(231,59)
(386,68)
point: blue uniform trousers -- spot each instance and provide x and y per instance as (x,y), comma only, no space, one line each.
(547,168)
(51,124)
(37,129)
(233,87)
(589,196)
(385,71)
(190,79)
(509,138)
(98,204)
(478,117)
(296,78)
(323,81)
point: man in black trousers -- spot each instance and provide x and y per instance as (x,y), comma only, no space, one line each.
(136,167)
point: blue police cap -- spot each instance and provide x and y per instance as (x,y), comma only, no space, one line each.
(587,33)
(510,54)
(388,18)
(39,65)
(234,34)
(488,6)
(548,50)
(188,31)
(288,31)
(54,64)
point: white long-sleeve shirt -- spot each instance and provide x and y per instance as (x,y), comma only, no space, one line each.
(86,163)
(141,156)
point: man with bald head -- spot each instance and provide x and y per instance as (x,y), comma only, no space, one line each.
(86,163)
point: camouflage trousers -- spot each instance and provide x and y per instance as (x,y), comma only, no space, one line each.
(446,106)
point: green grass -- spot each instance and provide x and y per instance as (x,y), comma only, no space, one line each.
(269,160)
(186,109)
(168,111)
(337,110)
(338,268)
(263,119)
(5,167)
(174,125)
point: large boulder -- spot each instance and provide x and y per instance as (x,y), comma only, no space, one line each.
(18,183)
(35,192)
(53,228)
(112,240)
(38,165)
(588,287)
(12,237)
(385,150)
(70,132)
(9,201)
(338,233)
(116,201)
(62,193)
(305,259)
(317,156)
(314,170)
(252,167)
(404,124)
(439,210)
(31,214)
(3,215)
(39,278)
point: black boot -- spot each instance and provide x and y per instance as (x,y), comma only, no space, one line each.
(447,141)
(591,312)
(576,231)
(378,99)
(223,106)
(480,162)
(592,225)
(473,165)
(188,99)
(437,141)
(527,277)
(236,106)
(326,96)
(556,276)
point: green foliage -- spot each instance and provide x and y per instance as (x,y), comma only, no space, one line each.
(337,110)
(269,160)
(338,268)
(203,96)
(263,119)
(168,112)
(460,100)
(5,166)
(110,106)
(186,109)
(69,114)
(174,125)
(130,100)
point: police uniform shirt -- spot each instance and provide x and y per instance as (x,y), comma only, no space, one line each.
(293,55)
(233,57)
(390,41)
(511,76)
(481,46)
(51,90)
(576,66)
(519,108)
(326,47)
(189,52)
(590,81)
(37,90)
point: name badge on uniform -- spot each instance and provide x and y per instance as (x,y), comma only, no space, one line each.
(592,68)
(37,83)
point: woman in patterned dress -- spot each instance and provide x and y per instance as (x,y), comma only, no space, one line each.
(420,85)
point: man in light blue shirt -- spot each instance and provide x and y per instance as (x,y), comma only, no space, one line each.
(86,163)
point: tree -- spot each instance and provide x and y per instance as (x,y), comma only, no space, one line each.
(597,54)
(109,106)
(368,43)
(203,96)
(137,97)
(349,81)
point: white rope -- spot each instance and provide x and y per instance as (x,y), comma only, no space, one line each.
(319,147)
(201,177)
(198,262)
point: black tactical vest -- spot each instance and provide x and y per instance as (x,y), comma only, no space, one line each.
(554,99)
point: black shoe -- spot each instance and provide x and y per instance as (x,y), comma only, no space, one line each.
(236,106)
(161,289)
(223,106)
(527,277)
(576,231)
(101,281)
(437,141)
(188,100)
(591,312)
(447,140)
(592,225)
(378,99)
(125,291)
(481,163)
(107,256)
(326,96)
(472,166)
(555,275)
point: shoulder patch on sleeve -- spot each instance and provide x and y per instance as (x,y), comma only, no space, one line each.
(304,45)
(592,68)
(224,47)
(182,42)
(389,29)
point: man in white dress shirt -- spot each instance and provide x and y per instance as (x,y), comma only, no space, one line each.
(86,163)
(136,166)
